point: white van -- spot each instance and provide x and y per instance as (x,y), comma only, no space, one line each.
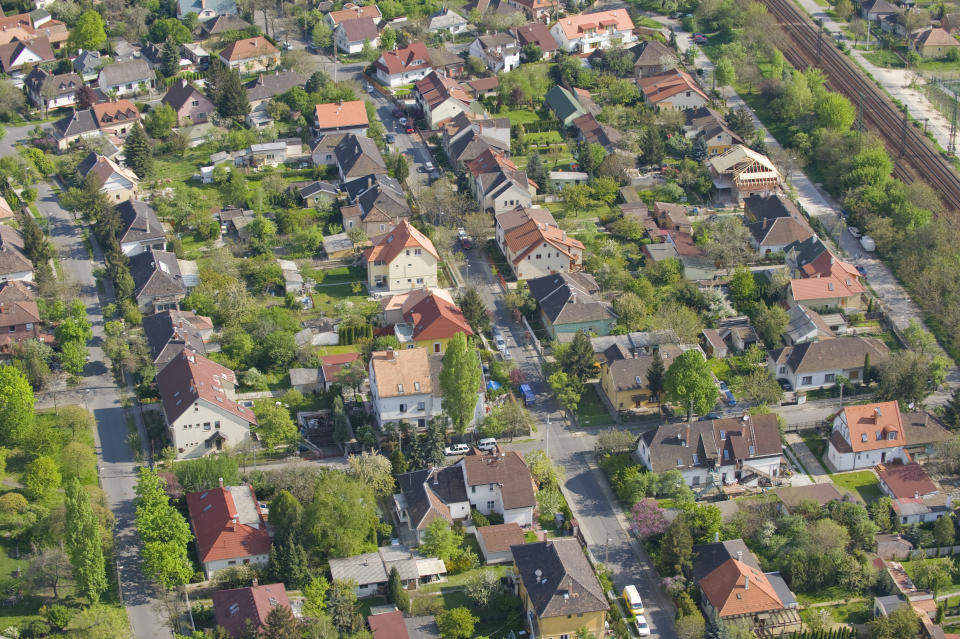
(487,444)
(631,597)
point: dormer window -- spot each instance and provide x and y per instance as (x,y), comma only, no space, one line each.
(696,459)
(723,435)
(863,437)
(892,435)
(679,462)
(879,435)
(399,388)
(416,386)
(726,454)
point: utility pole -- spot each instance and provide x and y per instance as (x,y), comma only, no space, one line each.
(952,145)
(819,39)
(903,131)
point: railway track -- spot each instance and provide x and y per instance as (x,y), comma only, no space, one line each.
(914,155)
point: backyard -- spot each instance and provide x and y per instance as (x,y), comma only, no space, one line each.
(591,411)
(862,483)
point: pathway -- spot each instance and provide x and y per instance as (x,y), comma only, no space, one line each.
(814,468)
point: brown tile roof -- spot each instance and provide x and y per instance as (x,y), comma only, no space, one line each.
(403,236)
(936,37)
(11,51)
(566,584)
(335,115)
(735,588)
(509,470)
(920,427)
(500,537)
(359,30)
(115,112)
(355,13)
(18,312)
(779,231)
(436,88)
(657,88)
(388,625)
(792,496)
(16,291)
(234,607)
(248,49)
(217,526)
(408,58)
(906,480)
(528,236)
(873,426)
(536,33)
(190,377)
(575,26)
(433,317)
(401,372)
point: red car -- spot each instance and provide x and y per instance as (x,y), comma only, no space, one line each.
(409,129)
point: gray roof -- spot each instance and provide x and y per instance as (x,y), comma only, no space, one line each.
(709,557)
(309,189)
(446,484)
(638,342)
(77,123)
(170,332)
(770,206)
(422,627)
(125,73)
(358,155)
(365,569)
(446,19)
(889,603)
(267,85)
(386,195)
(224,23)
(304,376)
(835,354)
(156,273)
(780,587)
(219,7)
(567,298)
(87,62)
(375,567)
(140,222)
(336,243)
(566,584)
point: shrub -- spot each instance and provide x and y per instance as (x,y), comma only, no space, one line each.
(426,605)
(478,518)
(12,503)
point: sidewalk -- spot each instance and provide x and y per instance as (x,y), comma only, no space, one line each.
(813,466)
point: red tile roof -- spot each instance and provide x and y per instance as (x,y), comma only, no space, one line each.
(574,27)
(404,235)
(337,115)
(191,377)
(248,49)
(499,537)
(436,88)
(332,364)
(657,88)
(219,533)
(435,318)
(906,481)
(115,112)
(353,12)
(388,625)
(734,588)
(528,236)
(234,607)
(867,421)
(408,58)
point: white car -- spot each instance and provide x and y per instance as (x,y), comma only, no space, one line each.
(640,626)
(854,231)
(428,166)
(402,121)
(487,444)
(498,340)
(456,449)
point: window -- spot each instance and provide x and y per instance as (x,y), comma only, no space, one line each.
(419,280)
(216,424)
(892,435)
(421,423)
(564,636)
(679,462)
(726,454)
(492,486)
(473,489)
(538,256)
(879,435)
(195,103)
(806,380)
(863,437)
(28,326)
(723,435)
(231,562)
(829,378)
(13,329)
(417,251)
(403,408)
(416,386)
(696,459)
(491,504)
(206,426)
(408,252)
(421,406)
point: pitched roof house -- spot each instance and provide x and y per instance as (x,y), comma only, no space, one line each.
(431,322)
(341,117)
(141,229)
(401,260)
(358,156)
(521,232)
(14,264)
(16,54)
(589,31)
(903,481)
(114,118)
(87,63)
(499,51)
(250,54)
(353,11)
(206,9)
(170,332)
(923,432)
(465,138)
(127,78)
(19,316)
(537,34)
(652,58)
(371,571)
(222,24)
(352,35)
(805,325)
(673,90)
(441,98)
(119,183)
(563,105)
(188,102)
(817,364)
(229,526)
(540,10)
(741,171)
(48,91)
(495,542)
(715,452)
(499,482)
(772,236)
(558,587)
(866,435)
(379,203)
(706,124)
(217,420)
(158,283)
(498,184)
(591,131)
(568,304)
(447,20)
(403,66)
(625,380)
(237,608)
(428,494)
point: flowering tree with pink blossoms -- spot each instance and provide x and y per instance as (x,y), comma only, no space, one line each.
(648,519)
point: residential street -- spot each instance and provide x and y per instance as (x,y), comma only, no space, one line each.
(99,394)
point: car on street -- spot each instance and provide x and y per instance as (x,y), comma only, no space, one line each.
(487,444)
(699,38)
(640,626)
(409,129)
(402,120)
(785,384)
(710,416)
(727,394)
(464,239)
(498,340)
(854,231)
(390,138)
(868,244)
(287,46)
(456,449)
(862,271)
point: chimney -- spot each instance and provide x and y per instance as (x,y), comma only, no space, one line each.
(389,353)
(254,583)
(746,583)
(739,555)
(916,494)
(221,482)
(716,537)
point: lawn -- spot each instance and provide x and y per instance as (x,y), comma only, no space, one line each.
(544,137)
(520,116)
(857,612)
(457,581)
(592,212)
(649,23)
(338,350)
(493,623)
(830,594)
(592,411)
(340,275)
(863,483)
(816,443)
(911,567)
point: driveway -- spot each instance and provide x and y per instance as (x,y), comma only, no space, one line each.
(98,394)
(806,457)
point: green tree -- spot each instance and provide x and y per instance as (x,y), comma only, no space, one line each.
(474,311)
(78,461)
(902,623)
(566,389)
(374,470)
(322,35)
(656,375)
(286,515)
(41,478)
(743,289)
(99,622)
(341,423)
(691,626)
(401,168)
(232,102)
(84,542)
(396,593)
(578,360)
(460,380)
(943,531)
(163,530)
(167,563)
(137,151)
(288,563)
(456,623)
(951,410)
(280,624)
(342,606)
(724,73)
(342,518)
(160,121)
(689,382)
(440,540)
(315,596)
(170,60)
(388,38)
(770,323)
(16,405)
(834,111)
(88,32)
(274,425)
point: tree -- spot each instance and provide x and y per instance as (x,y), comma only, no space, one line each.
(170,60)
(286,515)
(280,624)
(396,593)
(760,388)
(456,623)
(566,389)
(137,151)
(16,405)
(647,519)
(440,540)
(740,121)
(99,622)
(616,441)
(460,380)
(676,547)
(910,376)
(315,596)
(342,605)
(770,322)
(834,111)
(724,73)
(342,518)
(902,623)
(578,360)
(41,477)
(481,586)
(288,562)
(322,35)
(78,461)
(401,168)
(689,382)
(743,288)
(656,375)
(84,542)
(858,29)
(274,425)
(232,102)
(690,626)
(531,52)
(943,531)
(388,38)
(543,470)
(160,121)
(474,311)
(951,410)
(33,359)
(374,470)
(88,32)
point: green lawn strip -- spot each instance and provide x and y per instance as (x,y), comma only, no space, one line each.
(648,22)
(834,593)
(911,568)
(857,612)
(544,137)
(457,581)
(520,116)
(863,483)
(493,623)
(338,350)
(591,411)
(816,443)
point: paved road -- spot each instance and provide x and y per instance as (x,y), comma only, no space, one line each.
(99,394)
(588,494)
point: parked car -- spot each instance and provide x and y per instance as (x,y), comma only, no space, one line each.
(727,394)
(785,384)
(390,138)
(640,626)
(464,239)
(409,129)
(402,120)
(456,449)
(862,271)
(428,166)
(487,444)
(398,113)
(868,244)
(699,38)
(854,231)
(631,597)
(709,416)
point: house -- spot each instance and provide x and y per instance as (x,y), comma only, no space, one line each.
(876,10)
(805,325)
(19,315)
(793,497)
(87,64)
(465,138)
(394,307)
(769,206)
(401,260)
(905,481)
(352,35)
(238,609)
(564,106)
(371,571)
(76,125)
(313,192)
(447,20)
(234,222)
(741,171)
(446,62)
(403,66)
(495,542)
(588,31)
(331,365)
(189,103)
(140,228)
(264,88)
(206,9)
(717,452)
(250,55)
(198,57)
(568,304)
(322,152)
(558,180)
(738,333)
(18,53)
(893,547)
(221,25)
(116,117)
(358,156)
(672,217)
(540,10)
(394,625)
(934,42)
(918,510)
(338,246)
(497,184)
(379,204)
(228,524)
(624,377)
(402,385)
(499,51)
(428,494)
(923,432)
(499,482)
(521,232)
(430,323)
(817,364)
(591,131)
(652,58)
(134,77)
(158,283)
(123,51)
(537,34)
(558,588)
(840,289)
(773,236)
(441,98)
(305,380)
(866,435)
(734,588)
(48,91)
(352,11)
(672,90)
(170,332)
(632,344)
(706,124)
(14,264)
(341,117)
(274,153)
(119,183)
(713,343)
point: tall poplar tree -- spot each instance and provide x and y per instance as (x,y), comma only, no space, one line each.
(84,544)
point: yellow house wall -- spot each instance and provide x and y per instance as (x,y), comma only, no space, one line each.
(554,627)
(429,344)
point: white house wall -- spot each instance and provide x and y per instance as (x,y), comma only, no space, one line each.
(190,433)
(212,567)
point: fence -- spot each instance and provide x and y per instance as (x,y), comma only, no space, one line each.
(533,336)
(943,551)
(799,426)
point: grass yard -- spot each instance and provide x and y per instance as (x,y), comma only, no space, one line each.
(830,594)
(493,622)
(862,483)
(649,23)
(816,443)
(592,411)
(369,602)
(544,137)
(857,612)
(340,275)
(911,568)
(589,213)
(884,58)
(457,581)
(519,116)
(338,350)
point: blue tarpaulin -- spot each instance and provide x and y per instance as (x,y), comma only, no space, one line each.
(493,385)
